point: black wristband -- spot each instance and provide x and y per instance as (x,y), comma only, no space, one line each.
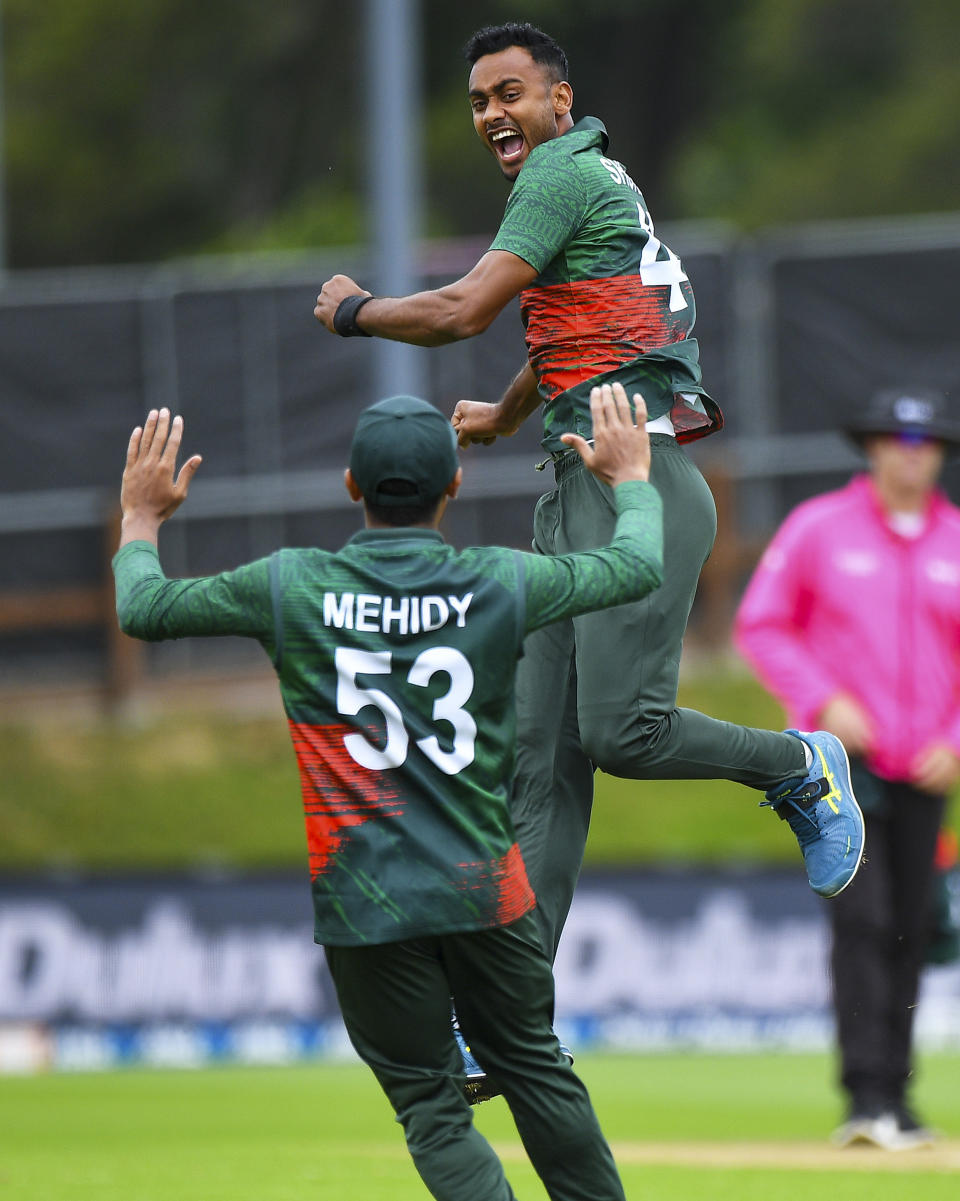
(345,318)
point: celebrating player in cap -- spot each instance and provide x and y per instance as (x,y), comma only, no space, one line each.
(396,659)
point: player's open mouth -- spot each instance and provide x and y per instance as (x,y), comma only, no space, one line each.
(508,144)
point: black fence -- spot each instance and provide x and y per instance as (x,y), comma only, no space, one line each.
(797,327)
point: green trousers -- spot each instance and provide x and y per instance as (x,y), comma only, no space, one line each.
(600,691)
(395,1000)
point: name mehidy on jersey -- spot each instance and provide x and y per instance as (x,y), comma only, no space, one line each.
(371,614)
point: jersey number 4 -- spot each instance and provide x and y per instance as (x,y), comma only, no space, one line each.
(448,707)
(660,273)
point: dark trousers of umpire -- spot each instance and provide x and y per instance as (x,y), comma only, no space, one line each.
(395,1000)
(601,690)
(880,925)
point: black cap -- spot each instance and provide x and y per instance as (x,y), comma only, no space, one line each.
(920,412)
(403,438)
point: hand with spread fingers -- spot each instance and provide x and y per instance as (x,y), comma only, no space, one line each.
(151,492)
(621,444)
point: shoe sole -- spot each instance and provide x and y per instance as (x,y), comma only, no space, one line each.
(912,1141)
(478,1089)
(873,1133)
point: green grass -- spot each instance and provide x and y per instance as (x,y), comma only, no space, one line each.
(182,791)
(326,1133)
(207,787)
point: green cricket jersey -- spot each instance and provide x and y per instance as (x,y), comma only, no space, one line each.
(611,302)
(396,659)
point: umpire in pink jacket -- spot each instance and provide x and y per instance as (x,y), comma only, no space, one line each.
(852,620)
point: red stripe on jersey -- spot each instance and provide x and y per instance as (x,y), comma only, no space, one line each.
(338,794)
(579,329)
(509,876)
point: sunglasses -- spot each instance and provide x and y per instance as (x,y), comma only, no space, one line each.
(914,438)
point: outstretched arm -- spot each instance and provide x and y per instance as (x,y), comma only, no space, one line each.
(449,314)
(149,605)
(149,493)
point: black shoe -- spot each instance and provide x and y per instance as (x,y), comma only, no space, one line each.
(477,1085)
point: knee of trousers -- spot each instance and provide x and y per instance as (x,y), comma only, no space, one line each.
(630,747)
(431,1116)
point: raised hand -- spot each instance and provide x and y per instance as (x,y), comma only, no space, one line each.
(621,448)
(150,491)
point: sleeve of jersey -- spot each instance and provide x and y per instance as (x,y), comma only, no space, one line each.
(559,586)
(771,624)
(543,213)
(154,608)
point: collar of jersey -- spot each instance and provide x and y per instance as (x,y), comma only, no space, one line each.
(594,127)
(406,533)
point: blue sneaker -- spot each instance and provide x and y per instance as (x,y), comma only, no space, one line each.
(822,811)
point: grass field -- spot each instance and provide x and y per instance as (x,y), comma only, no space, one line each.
(200,787)
(684,1128)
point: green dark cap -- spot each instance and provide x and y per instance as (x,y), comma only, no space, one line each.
(403,439)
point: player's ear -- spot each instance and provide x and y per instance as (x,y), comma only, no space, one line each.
(453,487)
(562,98)
(353,488)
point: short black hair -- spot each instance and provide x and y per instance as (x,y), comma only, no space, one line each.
(543,49)
(416,513)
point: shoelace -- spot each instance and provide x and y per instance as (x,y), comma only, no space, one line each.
(803,823)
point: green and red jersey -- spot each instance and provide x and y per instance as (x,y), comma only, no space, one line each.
(611,301)
(396,658)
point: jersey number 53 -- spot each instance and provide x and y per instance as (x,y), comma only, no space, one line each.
(448,707)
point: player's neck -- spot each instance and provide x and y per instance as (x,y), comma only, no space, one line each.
(901,498)
(371,523)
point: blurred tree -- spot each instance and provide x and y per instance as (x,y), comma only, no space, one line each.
(828,108)
(137,131)
(644,67)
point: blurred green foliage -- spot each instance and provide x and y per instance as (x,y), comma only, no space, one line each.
(140,131)
(205,788)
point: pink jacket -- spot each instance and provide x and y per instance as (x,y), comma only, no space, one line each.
(840,603)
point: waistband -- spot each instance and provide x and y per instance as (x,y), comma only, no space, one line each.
(568,461)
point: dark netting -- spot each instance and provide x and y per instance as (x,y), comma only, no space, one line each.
(791,337)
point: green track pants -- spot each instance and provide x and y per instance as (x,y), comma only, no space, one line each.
(395,1000)
(600,691)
